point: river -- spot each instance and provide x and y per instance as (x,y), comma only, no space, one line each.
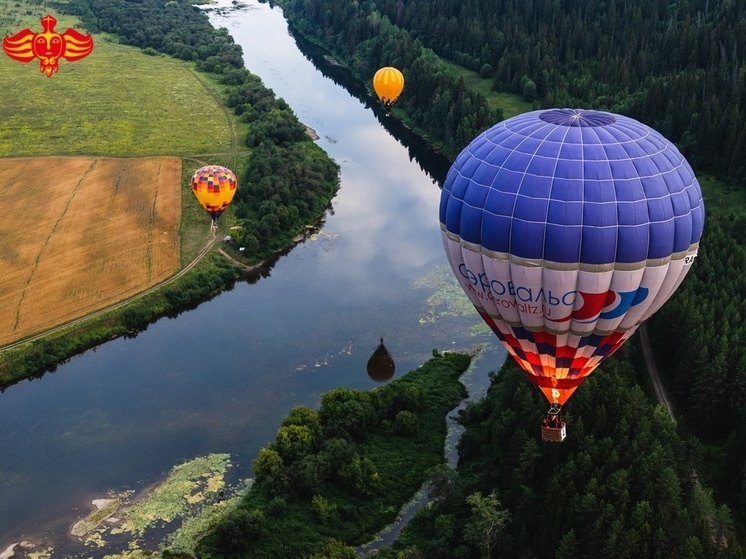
(219,378)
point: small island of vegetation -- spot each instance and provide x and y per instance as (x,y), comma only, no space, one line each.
(341,473)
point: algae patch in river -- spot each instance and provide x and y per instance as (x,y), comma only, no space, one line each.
(194,492)
(447,299)
(186,486)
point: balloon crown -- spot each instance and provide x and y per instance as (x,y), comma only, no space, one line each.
(577,117)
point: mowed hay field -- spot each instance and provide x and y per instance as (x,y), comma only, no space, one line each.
(81,233)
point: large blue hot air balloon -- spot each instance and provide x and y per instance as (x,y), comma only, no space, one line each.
(567,229)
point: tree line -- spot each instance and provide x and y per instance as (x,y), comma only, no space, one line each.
(434,98)
(678,67)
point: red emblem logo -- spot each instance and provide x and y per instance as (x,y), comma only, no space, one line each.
(48,46)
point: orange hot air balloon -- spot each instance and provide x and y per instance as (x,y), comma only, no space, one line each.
(388,84)
(214,187)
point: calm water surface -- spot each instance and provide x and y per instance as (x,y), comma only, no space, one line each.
(221,377)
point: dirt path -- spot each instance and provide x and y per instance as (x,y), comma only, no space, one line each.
(647,352)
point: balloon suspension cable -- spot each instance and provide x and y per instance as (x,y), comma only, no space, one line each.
(554,408)
(554,419)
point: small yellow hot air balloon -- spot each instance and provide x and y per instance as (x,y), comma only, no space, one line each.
(388,84)
(214,187)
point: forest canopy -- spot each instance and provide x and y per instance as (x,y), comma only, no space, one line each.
(678,67)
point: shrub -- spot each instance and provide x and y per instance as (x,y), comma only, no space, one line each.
(267,464)
(406,424)
(323,509)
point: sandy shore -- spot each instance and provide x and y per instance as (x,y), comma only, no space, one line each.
(10,551)
(104,509)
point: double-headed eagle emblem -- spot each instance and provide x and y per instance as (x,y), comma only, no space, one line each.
(48,46)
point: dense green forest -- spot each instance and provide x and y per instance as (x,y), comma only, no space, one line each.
(700,340)
(678,67)
(621,485)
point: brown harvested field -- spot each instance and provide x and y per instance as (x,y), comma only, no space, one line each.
(78,234)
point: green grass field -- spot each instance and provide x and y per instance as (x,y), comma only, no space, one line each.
(118,101)
(722,196)
(510,103)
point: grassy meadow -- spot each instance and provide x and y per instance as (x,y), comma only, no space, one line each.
(118,101)
(510,103)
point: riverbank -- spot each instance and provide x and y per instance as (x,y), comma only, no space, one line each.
(211,272)
(196,498)
(343,472)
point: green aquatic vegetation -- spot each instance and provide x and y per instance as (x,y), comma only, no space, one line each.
(132,554)
(447,299)
(184,539)
(187,486)
(194,492)
(480,329)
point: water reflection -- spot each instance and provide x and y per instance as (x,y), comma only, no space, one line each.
(381,365)
(419,151)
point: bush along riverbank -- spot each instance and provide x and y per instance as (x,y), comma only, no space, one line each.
(333,478)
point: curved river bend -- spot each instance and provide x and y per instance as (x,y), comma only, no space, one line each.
(219,378)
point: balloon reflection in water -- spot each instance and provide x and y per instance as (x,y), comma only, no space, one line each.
(381,365)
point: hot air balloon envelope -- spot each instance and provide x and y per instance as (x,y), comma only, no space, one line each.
(567,229)
(388,84)
(214,187)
